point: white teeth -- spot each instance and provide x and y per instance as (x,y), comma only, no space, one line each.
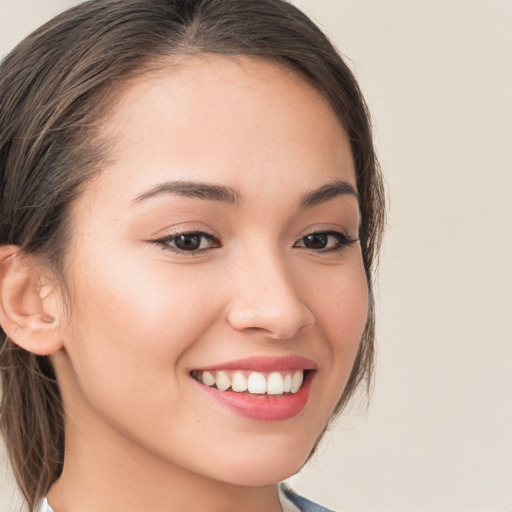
(208,379)
(222,381)
(287,384)
(257,383)
(297,380)
(239,382)
(275,384)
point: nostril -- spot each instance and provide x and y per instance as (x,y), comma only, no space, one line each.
(276,321)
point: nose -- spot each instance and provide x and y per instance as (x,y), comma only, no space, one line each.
(265,299)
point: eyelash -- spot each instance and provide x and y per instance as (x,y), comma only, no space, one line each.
(342,241)
(165,242)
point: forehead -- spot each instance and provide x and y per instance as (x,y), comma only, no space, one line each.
(212,87)
(214,118)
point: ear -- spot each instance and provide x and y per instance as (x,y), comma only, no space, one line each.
(28,315)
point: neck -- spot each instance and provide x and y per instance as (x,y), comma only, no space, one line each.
(104,471)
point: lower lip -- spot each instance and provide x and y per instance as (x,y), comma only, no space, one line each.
(263,407)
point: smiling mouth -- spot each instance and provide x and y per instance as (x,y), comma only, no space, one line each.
(285,382)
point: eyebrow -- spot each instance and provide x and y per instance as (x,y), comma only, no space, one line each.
(229,195)
(194,190)
(327,192)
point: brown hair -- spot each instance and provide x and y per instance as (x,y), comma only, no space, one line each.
(54,87)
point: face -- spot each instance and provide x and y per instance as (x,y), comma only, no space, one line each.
(216,251)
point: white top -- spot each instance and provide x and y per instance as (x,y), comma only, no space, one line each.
(286,504)
(45,507)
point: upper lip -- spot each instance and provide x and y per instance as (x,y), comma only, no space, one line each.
(264,364)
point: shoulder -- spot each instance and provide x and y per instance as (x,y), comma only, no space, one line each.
(303,504)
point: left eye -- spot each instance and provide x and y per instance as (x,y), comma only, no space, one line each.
(189,242)
(325,241)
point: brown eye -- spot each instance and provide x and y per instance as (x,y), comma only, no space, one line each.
(188,242)
(316,241)
(325,241)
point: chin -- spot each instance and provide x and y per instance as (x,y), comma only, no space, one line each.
(271,474)
(265,467)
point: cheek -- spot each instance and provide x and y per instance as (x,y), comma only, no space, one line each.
(131,320)
(340,303)
(341,312)
(350,308)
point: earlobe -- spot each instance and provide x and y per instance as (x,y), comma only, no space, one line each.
(25,316)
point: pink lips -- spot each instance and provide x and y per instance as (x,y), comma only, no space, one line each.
(265,364)
(264,407)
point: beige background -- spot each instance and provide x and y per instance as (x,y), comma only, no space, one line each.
(438,78)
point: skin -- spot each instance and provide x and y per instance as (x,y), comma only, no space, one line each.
(140,435)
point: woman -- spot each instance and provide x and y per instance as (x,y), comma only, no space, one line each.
(191,210)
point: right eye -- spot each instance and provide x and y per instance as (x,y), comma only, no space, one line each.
(188,243)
